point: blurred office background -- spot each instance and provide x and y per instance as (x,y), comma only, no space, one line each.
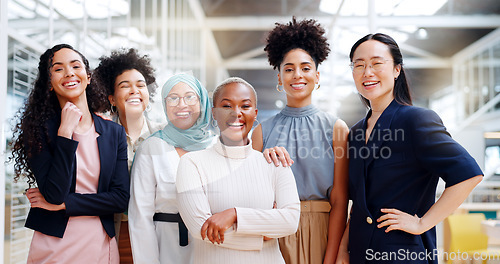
(451,50)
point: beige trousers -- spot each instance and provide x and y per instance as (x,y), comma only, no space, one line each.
(308,244)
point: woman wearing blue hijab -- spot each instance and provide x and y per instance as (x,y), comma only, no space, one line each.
(157,232)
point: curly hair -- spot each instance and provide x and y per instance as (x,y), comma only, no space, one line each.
(119,61)
(306,34)
(31,132)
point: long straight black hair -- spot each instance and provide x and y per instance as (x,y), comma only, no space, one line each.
(401,90)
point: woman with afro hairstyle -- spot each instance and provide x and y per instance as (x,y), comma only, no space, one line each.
(77,160)
(315,140)
(129,81)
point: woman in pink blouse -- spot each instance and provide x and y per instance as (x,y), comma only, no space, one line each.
(77,160)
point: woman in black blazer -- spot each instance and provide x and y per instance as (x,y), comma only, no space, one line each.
(397,153)
(80,186)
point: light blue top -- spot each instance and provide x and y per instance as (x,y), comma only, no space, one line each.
(307,134)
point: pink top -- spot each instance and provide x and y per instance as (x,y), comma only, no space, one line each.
(85,240)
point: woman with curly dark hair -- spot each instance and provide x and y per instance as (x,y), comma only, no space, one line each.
(315,140)
(77,160)
(129,80)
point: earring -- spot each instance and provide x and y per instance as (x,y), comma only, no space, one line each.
(148,108)
(113,109)
(278,87)
(316,86)
(256,121)
(395,78)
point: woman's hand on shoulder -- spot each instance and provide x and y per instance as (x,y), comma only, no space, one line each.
(215,226)
(395,219)
(274,155)
(278,155)
(70,117)
(38,201)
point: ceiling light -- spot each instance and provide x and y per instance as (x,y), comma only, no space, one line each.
(422,33)
(493,135)
(418,8)
(349,7)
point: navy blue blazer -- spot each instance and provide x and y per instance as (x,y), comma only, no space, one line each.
(399,167)
(55,172)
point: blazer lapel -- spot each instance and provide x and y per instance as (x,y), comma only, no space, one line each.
(102,150)
(380,132)
(357,165)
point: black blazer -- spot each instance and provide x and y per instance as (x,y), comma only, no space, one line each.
(55,172)
(408,151)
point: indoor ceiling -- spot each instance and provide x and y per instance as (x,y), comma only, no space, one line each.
(429,33)
(240,27)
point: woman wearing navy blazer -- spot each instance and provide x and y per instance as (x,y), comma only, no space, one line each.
(77,160)
(397,153)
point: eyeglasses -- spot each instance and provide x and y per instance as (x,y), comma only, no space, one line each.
(359,66)
(190,99)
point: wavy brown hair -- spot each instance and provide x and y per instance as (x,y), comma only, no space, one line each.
(31,132)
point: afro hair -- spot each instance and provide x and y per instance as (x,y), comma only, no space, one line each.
(118,62)
(306,34)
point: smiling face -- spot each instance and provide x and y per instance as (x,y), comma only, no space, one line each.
(298,75)
(131,95)
(235,111)
(375,83)
(182,115)
(68,76)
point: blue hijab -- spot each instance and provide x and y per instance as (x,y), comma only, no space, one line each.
(198,136)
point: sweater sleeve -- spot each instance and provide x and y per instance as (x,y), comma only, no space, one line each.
(278,222)
(195,208)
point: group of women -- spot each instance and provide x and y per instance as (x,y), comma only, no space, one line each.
(193,197)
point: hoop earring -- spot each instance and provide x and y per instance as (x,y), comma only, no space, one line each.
(278,87)
(316,86)
(148,108)
(258,123)
(113,109)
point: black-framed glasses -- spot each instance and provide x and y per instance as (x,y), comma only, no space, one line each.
(377,65)
(190,99)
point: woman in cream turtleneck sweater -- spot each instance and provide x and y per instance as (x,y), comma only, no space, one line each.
(234,203)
